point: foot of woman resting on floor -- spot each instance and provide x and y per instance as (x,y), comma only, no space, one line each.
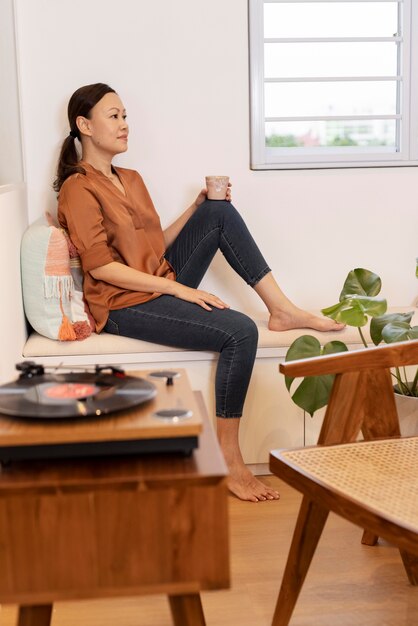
(297,318)
(245,486)
(241,482)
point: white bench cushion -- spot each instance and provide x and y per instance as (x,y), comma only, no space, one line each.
(270,344)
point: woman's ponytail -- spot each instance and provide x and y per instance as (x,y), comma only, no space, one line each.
(67,162)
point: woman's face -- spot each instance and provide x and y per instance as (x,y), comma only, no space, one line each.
(106,126)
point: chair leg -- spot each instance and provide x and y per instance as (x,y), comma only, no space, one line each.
(187,610)
(380,419)
(310,523)
(410,562)
(35,615)
(369,538)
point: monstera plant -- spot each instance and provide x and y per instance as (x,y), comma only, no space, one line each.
(358,304)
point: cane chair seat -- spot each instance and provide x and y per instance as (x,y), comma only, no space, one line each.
(380,476)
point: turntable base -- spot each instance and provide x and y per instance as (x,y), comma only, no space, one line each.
(139,430)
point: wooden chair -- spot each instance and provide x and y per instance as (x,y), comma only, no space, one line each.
(371,483)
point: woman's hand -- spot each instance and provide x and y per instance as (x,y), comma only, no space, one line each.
(202,298)
(228,193)
(201,197)
(204,192)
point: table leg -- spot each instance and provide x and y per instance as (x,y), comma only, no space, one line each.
(186,610)
(35,615)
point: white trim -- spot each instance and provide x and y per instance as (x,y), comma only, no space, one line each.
(337,118)
(328,165)
(413,74)
(256,34)
(19,92)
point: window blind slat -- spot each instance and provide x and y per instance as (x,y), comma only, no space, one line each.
(332,79)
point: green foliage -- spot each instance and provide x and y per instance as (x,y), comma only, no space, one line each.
(378,324)
(358,299)
(358,302)
(346,140)
(362,282)
(313,392)
(282,141)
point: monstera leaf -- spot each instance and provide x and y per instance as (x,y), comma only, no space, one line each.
(378,324)
(313,392)
(361,282)
(358,299)
(354,310)
(399,331)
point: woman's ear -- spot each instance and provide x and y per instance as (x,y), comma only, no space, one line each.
(83,125)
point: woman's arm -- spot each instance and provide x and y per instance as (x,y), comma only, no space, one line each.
(134,280)
(172,231)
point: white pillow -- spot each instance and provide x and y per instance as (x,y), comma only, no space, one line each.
(52,285)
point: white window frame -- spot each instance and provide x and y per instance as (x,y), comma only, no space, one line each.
(265,158)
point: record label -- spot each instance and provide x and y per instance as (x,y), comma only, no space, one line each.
(67,391)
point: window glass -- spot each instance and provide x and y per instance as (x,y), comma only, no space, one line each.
(284,60)
(331,133)
(330,19)
(312,99)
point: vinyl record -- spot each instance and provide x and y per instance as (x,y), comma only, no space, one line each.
(57,396)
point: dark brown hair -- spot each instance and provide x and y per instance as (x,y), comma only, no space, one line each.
(81,103)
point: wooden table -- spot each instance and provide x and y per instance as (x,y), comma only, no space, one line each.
(115,526)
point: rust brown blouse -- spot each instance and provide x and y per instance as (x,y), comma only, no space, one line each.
(105,225)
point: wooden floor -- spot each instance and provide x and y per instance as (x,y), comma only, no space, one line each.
(348,584)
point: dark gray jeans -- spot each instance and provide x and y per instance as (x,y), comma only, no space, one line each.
(173,322)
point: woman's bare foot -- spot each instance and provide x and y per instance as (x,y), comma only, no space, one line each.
(284,315)
(241,482)
(297,318)
(245,486)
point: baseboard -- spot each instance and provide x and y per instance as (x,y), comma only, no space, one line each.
(259,469)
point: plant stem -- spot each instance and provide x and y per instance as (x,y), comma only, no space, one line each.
(405,377)
(414,385)
(403,389)
(362,338)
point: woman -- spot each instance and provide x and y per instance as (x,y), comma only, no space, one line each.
(142,282)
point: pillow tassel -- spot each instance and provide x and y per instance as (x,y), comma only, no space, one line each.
(66,331)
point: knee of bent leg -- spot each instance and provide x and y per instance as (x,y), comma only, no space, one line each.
(246,331)
(220,207)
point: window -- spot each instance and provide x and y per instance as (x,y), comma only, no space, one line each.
(334,83)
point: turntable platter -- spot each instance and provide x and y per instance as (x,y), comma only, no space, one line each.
(57,396)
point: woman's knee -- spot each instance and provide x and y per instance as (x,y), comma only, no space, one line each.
(246,331)
(218,207)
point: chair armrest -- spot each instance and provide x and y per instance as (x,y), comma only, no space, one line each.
(393,355)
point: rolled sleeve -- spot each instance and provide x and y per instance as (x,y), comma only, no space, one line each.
(96,256)
(80,213)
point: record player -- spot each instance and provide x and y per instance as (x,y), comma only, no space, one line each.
(96,412)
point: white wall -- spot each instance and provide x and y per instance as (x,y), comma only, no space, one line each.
(181,69)
(13,221)
(10,138)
